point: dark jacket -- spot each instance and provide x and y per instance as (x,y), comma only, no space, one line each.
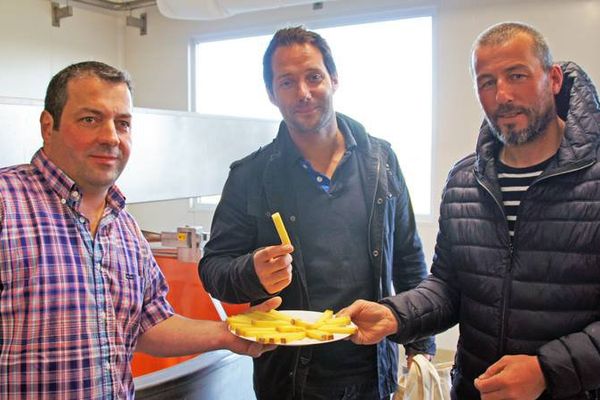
(258,186)
(539,295)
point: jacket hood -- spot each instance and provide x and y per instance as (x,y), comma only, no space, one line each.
(577,104)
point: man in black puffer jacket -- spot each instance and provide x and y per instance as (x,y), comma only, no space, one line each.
(517,259)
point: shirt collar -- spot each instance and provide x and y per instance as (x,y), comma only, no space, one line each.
(66,188)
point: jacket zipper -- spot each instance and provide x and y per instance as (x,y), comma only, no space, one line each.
(508,279)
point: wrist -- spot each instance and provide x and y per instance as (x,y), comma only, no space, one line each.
(391,322)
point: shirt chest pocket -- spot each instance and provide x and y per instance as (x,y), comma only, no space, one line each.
(126,300)
(265,229)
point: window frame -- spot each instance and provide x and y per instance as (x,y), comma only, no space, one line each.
(323,22)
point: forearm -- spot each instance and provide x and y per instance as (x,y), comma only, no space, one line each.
(231,279)
(424,311)
(177,336)
(570,363)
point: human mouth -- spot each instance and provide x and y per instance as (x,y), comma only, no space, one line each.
(105,158)
(306,110)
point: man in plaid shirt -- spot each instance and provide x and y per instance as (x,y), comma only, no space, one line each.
(79,288)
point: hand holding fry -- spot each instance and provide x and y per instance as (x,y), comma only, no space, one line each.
(273,266)
(373,320)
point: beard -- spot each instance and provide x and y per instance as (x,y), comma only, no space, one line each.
(538,122)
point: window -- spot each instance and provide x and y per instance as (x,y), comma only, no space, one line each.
(385,82)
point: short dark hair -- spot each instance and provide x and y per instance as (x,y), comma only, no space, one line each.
(56,94)
(290,36)
(503,32)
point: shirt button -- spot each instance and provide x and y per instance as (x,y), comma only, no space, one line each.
(107,366)
(75,194)
(375,253)
(82,220)
(293,218)
(63,201)
(380,201)
(319,179)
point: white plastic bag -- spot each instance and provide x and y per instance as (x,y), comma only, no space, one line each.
(423,381)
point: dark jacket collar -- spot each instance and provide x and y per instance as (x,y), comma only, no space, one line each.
(354,135)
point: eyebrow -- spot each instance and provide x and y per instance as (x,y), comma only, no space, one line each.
(98,112)
(512,68)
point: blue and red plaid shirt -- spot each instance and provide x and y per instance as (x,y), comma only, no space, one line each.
(71,306)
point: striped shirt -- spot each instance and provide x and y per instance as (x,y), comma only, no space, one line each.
(71,306)
(514,182)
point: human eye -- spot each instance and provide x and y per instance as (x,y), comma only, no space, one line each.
(88,120)
(124,125)
(485,84)
(517,76)
(315,77)
(286,83)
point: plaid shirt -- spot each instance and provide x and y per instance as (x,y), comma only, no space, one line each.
(71,306)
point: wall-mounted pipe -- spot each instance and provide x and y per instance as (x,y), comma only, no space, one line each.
(117,6)
(215,9)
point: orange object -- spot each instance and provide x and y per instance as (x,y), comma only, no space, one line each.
(188,298)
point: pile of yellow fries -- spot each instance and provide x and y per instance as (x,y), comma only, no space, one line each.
(275,327)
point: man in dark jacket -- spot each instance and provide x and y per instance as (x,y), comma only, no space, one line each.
(346,206)
(517,260)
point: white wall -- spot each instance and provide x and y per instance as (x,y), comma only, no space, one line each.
(32,50)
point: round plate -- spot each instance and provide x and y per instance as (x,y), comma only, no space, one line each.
(308,316)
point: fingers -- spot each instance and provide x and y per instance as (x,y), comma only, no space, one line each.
(512,377)
(351,310)
(273,267)
(268,304)
(256,349)
(493,369)
(269,252)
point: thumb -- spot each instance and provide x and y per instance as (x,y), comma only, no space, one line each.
(492,370)
(268,304)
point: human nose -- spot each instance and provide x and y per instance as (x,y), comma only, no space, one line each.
(109,134)
(503,92)
(304,91)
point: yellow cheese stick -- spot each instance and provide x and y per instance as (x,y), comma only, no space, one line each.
(255,331)
(319,335)
(337,329)
(270,324)
(345,320)
(326,316)
(282,316)
(280,337)
(289,328)
(283,235)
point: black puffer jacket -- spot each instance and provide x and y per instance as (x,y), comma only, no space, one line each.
(540,295)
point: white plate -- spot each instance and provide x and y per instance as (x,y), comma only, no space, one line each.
(308,316)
